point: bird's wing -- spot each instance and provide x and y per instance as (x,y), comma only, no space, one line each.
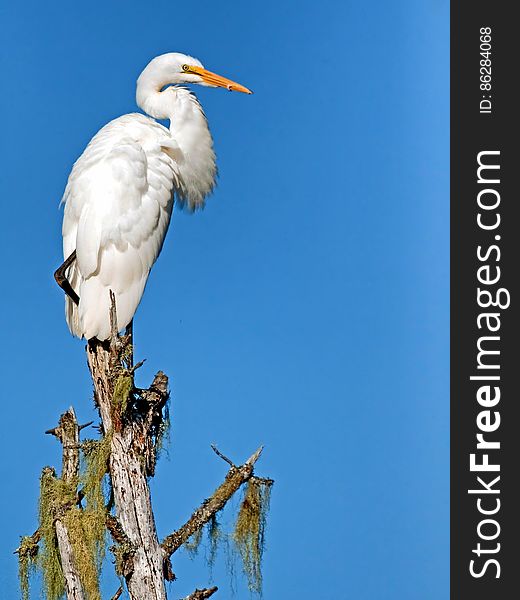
(118,203)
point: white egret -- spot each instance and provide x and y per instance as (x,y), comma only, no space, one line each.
(120,193)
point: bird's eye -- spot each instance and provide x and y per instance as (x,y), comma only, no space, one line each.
(185,67)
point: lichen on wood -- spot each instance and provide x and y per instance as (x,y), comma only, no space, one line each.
(249,532)
(87,537)
(192,545)
(96,455)
(161,432)
(27,561)
(72,536)
(56,497)
(235,477)
(123,550)
(123,386)
(214,535)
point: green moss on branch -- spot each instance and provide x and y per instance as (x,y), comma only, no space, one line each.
(249,533)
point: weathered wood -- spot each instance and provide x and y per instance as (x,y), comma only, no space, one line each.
(127,468)
(73,586)
(134,511)
(68,434)
(202,594)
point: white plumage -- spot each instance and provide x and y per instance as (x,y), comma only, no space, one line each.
(120,193)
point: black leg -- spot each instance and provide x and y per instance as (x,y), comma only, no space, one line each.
(63,282)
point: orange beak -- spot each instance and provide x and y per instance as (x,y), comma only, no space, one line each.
(217,80)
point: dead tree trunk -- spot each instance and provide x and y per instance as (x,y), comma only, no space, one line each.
(68,434)
(128,424)
(132,422)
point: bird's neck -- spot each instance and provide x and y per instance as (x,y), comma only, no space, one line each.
(193,151)
(155,103)
(197,165)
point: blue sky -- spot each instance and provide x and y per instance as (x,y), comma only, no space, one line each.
(306,308)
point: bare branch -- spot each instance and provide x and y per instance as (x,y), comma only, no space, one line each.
(254,457)
(202,594)
(118,593)
(137,366)
(219,453)
(235,477)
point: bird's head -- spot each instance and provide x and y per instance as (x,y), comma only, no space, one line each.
(177,68)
